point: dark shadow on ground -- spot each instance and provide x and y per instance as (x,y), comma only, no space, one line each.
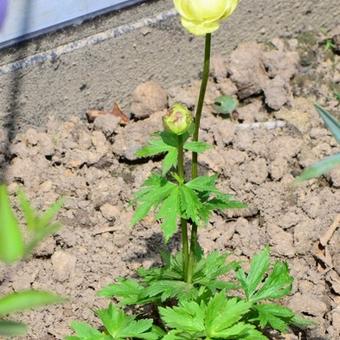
(11,120)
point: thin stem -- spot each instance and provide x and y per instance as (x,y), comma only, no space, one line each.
(184,223)
(204,84)
(194,169)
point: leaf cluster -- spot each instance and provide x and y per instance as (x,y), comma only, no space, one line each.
(166,143)
(205,309)
(160,284)
(193,201)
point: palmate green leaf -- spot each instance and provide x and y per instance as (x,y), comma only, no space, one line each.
(10,328)
(211,197)
(330,121)
(210,268)
(154,190)
(223,316)
(190,204)
(277,284)
(274,315)
(167,289)
(258,267)
(169,213)
(11,239)
(203,184)
(220,318)
(121,326)
(86,332)
(169,161)
(28,299)
(128,291)
(162,143)
(198,147)
(155,147)
(188,316)
(320,168)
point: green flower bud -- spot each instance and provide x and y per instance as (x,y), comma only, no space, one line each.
(178,120)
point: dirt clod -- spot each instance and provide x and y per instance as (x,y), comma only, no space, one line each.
(147,99)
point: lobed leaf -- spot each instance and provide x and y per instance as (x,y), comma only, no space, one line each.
(164,143)
(86,332)
(154,190)
(119,325)
(128,291)
(277,285)
(258,267)
(167,289)
(223,316)
(188,316)
(198,147)
(169,213)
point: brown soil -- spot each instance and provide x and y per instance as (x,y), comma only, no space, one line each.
(92,165)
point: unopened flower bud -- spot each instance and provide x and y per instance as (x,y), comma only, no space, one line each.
(178,120)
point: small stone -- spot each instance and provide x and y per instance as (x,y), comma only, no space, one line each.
(227,87)
(303,237)
(335,177)
(224,133)
(247,69)
(218,67)
(108,124)
(336,260)
(32,137)
(136,135)
(308,303)
(109,212)
(336,319)
(45,248)
(277,93)
(288,220)
(256,171)
(248,112)
(281,240)
(147,99)
(63,265)
(278,168)
(300,116)
(46,186)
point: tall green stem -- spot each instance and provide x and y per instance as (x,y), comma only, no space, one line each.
(204,84)
(184,223)
(194,169)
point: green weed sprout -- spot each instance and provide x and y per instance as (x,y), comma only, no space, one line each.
(189,295)
(13,248)
(327,164)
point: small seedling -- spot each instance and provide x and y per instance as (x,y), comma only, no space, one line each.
(225,105)
(329,45)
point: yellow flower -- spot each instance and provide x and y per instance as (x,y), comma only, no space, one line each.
(203,16)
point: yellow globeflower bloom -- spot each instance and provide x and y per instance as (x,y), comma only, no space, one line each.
(203,16)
